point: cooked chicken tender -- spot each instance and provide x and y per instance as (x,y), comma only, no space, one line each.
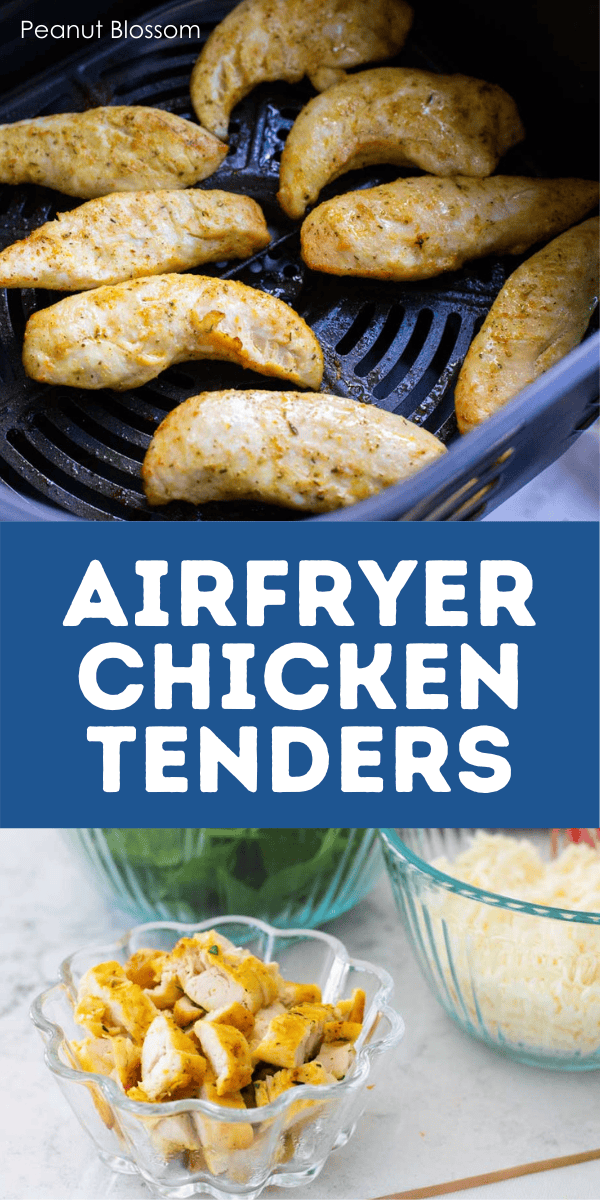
(540,314)
(262,1021)
(341,1031)
(122,336)
(235,1014)
(227,1052)
(263,40)
(112,149)
(185,1012)
(145,967)
(445,124)
(356,1012)
(171,1135)
(170,1059)
(336,1058)
(130,234)
(247,982)
(109,1003)
(299,993)
(218,1138)
(188,956)
(310,452)
(289,1040)
(313,1073)
(117,1057)
(419,227)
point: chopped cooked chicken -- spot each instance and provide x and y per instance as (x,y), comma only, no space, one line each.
(117,1056)
(299,993)
(112,149)
(272,1086)
(122,336)
(540,314)
(315,1010)
(129,234)
(235,1014)
(109,1003)
(419,227)
(171,1135)
(336,1058)
(153,971)
(345,1010)
(312,452)
(289,1040)
(262,1021)
(445,124)
(228,1053)
(170,1059)
(186,959)
(212,1058)
(262,40)
(247,982)
(185,1012)
(357,1006)
(220,1138)
(165,994)
(341,1031)
(145,967)
(192,955)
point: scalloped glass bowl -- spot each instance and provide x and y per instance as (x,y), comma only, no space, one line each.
(297,878)
(287,1141)
(530,990)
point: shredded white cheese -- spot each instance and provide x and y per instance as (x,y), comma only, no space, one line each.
(523,979)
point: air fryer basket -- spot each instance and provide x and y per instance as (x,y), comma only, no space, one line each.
(396,345)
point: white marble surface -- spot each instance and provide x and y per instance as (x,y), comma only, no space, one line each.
(447,1108)
(568,490)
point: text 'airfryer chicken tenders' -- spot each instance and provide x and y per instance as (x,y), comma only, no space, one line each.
(238,1054)
(120,337)
(419,227)
(445,124)
(540,314)
(310,452)
(129,234)
(264,40)
(111,149)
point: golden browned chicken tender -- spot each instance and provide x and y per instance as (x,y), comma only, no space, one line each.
(309,452)
(111,149)
(129,234)
(264,40)
(541,313)
(109,1003)
(445,124)
(416,228)
(122,336)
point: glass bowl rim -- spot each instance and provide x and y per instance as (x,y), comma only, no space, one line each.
(394,843)
(109,1087)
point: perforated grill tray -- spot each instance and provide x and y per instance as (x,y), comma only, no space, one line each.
(396,345)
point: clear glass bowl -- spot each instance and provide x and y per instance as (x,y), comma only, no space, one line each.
(293,877)
(525,979)
(287,1141)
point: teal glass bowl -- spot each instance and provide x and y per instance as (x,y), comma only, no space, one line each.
(292,877)
(524,979)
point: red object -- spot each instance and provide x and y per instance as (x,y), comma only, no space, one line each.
(590,836)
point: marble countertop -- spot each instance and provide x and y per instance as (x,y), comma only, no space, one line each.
(566,491)
(447,1108)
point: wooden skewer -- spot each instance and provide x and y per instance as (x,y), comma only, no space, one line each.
(459,1185)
